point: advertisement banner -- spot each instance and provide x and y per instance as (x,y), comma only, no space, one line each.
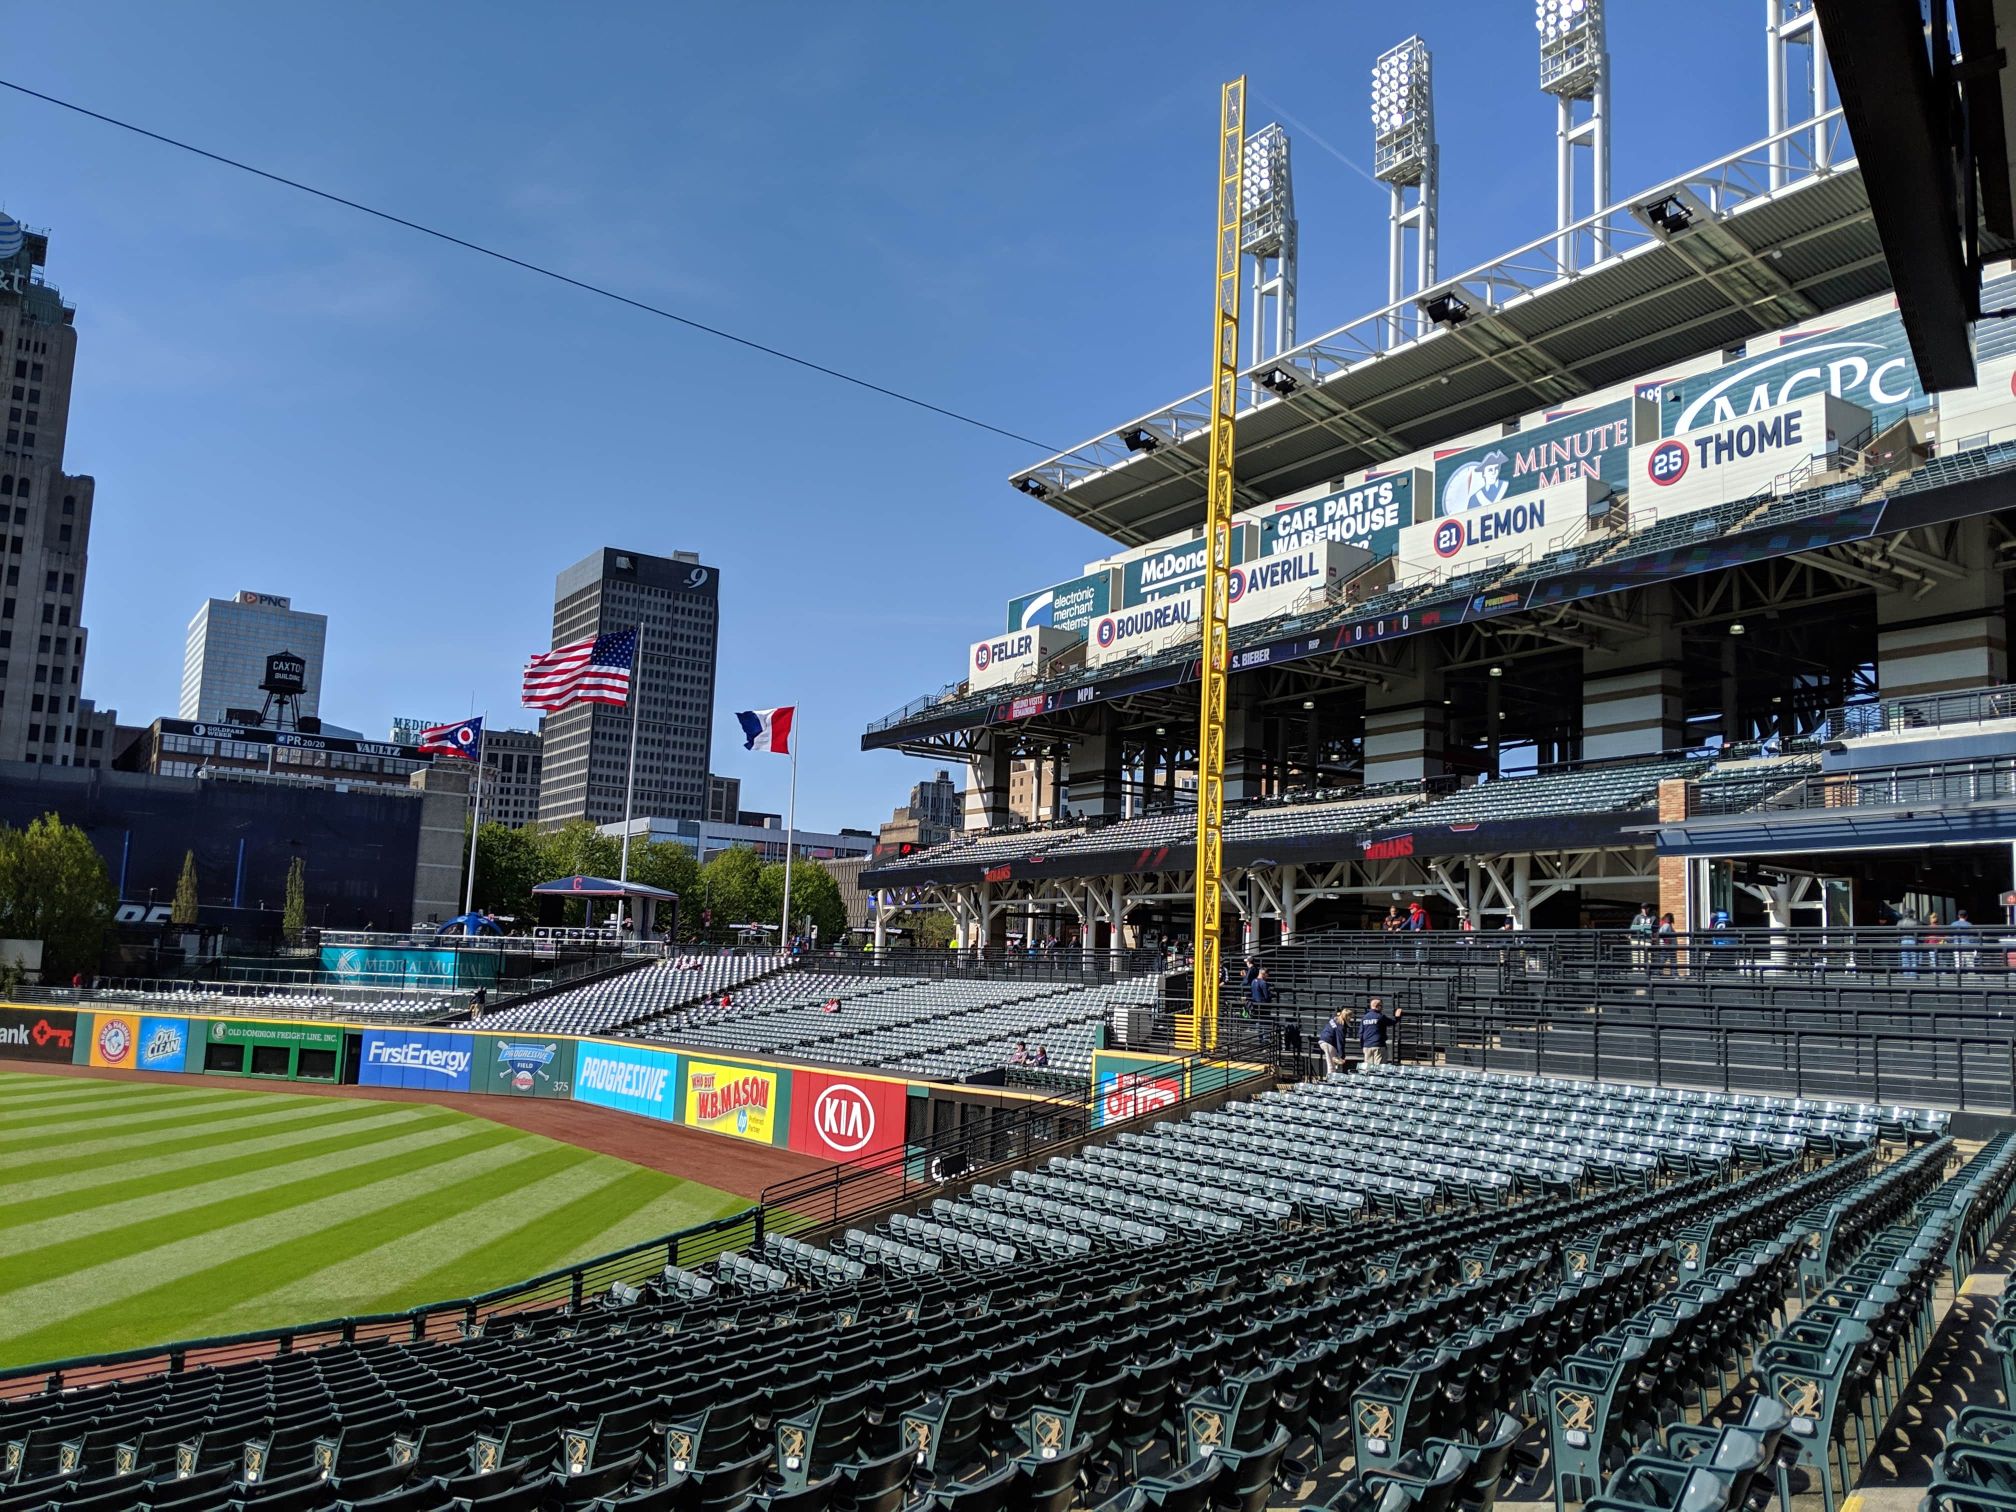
(1732,460)
(1144,628)
(1068,606)
(1367,514)
(728,1099)
(234,1031)
(628,1078)
(115,1040)
(1014,657)
(1127,1094)
(164,1044)
(1176,570)
(1524,526)
(526,1065)
(417,1058)
(844,1117)
(37,1034)
(1868,364)
(1593,444)
(410,968)
(1292,581)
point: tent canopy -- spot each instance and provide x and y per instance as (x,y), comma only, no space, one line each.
(601,887)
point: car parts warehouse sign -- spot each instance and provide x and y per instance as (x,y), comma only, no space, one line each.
(1367,514)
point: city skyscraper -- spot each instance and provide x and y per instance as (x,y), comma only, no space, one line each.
(224,657)
(45,517)
(586,750)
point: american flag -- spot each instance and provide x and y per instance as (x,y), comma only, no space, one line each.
(590,671)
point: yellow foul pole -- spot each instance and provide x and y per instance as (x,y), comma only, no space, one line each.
(1207,970)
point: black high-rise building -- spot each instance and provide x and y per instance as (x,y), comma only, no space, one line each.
(586,750)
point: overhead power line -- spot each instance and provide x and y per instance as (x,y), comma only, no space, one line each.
(531,267)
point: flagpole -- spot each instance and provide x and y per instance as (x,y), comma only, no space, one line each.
(475,824)
(790,834)
(630,783)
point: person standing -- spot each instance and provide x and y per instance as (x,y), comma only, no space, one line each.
(1643,927)
(1334,1041)
(1667,945)
(1964,958)
(1373,1028)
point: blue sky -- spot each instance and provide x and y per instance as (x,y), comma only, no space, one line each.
(1004,208)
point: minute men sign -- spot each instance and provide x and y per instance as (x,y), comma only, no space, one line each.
(1593,443)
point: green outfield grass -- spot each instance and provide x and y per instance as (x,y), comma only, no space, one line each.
(135,1214)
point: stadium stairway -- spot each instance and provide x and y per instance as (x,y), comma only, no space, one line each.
(1408,1289)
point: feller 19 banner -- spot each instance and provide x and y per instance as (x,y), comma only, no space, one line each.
(737,1100)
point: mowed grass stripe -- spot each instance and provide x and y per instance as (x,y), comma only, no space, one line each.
(143,1178)
(85,1176)
(683,1205)
(75,1098)
(99,1154)
(136,1237)
(261,1180)
(455,1256)
(546,1240)
(174,1307)
(139,1125)
(105,1288)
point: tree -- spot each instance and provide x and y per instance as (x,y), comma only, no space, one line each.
(936,930)
(815,896)
(668,864)
(54,888)
(731,884)
(187,901)
(294,912)
(509,864)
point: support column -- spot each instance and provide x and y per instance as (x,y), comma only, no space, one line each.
(987,785)
(1675,796)
(881,919)
(1522,891)
(1245,756)
(1290,904)
(1632,694)
(1953,637)
(1116,910)
(1097,782)
(1404,721)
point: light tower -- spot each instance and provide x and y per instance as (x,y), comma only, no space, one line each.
(1789,25)
(1268,196)
(1575,69)
(1404,157)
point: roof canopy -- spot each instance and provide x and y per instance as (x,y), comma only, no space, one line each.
(600,887)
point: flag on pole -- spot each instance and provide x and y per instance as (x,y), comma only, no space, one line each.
(464,739)
(590,671)
(767,729)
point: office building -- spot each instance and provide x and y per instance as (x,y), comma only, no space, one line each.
(585,757)
(45,515)
(511,760)
(930,818)
(224,656)
(724,798)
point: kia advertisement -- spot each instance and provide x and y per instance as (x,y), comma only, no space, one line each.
(846,1117)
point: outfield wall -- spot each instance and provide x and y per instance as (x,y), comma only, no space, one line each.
(831,1113)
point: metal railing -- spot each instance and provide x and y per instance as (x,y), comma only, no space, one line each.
(1927,711)
(1931,784)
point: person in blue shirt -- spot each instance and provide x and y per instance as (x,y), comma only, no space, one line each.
(1260,991)
(1334,1041)
(1373,1027)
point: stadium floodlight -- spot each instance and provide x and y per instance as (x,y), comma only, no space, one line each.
(1404,157)
(1575,67)
(1033,486)
(1279,380)
(1269,234)
(1446,309)
(1140,439)
(1669,216)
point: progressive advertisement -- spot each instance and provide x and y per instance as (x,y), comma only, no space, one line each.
(1593,443)
(35,1034)
(727,1099)
(416,1058)
(525,1065)
(1367,514)
(842,1117)
(628,1078)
